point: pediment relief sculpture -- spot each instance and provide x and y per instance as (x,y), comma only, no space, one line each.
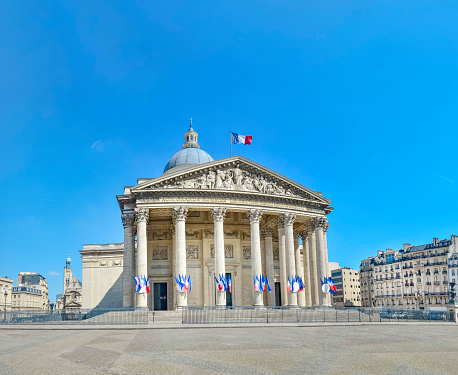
(235,179)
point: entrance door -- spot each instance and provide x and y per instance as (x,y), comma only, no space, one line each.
(160,296)
(277,294)
(229,295)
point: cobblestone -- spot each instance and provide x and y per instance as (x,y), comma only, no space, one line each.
(371,349)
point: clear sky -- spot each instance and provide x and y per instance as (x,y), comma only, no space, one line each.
(356,99)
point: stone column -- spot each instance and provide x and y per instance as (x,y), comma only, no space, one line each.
(174,264)
(282,258)
(315,283)
(270,271)
(218,214)
(299,267)
(142,253)
(307,276)
(179,214)
(328,270)
(127,265)
(256,265)
(290,255)
(321,261)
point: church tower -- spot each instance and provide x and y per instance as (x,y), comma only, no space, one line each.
(67,273)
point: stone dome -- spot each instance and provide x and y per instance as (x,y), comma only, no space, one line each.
(191,154)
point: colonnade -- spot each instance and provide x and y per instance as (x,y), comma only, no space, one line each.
(314,265)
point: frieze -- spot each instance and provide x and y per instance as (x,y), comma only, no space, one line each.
(235,179)
(192,234)
(158,235)
(208,233)
(310,207)
(246,236)
(228,251)
(160,253)
(192,252)
(231,234)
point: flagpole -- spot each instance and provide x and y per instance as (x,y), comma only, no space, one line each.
(230,143)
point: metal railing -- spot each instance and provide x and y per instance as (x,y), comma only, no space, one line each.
(95,316)
(248,314)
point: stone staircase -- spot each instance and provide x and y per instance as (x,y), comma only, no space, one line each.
(164,317)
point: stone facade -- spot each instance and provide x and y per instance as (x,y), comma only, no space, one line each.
(102,275)
(6,286)
(348,287)
(31,292)
(230,216)
(415,277)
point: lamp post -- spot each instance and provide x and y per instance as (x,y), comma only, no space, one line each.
(6,295)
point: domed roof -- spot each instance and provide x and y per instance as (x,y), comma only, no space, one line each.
(190,154)
(187,157)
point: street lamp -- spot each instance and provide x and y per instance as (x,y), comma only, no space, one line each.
(6,295)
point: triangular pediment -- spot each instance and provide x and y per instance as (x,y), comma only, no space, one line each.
(235,174)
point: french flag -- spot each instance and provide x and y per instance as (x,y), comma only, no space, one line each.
(288,288)
(241,139)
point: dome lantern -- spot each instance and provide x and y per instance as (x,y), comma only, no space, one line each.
(190,153)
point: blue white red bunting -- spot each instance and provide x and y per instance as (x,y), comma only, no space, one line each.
(295,284)
(224,284)
(327,285)
(142,284)
(184,283)
(261,283)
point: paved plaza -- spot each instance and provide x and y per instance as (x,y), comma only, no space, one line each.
(344,349)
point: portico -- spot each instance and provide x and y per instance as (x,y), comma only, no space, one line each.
(226,216)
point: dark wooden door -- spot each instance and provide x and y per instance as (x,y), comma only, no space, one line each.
(277,294)
(160,296)
(229,295)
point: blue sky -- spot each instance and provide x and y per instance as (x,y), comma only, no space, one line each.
(356,99)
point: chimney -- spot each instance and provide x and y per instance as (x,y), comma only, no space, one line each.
(406,246)
(435,241)
(379,252)
(388,250)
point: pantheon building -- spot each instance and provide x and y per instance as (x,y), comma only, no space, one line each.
(206,217)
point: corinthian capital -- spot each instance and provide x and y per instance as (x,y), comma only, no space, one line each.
(289,219)
(127,220)
(180,213)
(310,225)
(320,222)
(296,234)
(304,235)
(142,214)
(325,227)
(267,232)
(280,222)
(218,213)
(254,215)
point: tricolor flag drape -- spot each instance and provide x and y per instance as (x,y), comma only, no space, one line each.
(295,284)
(184,283)
(261,283)
(142,284)
(327,286)
(224,283)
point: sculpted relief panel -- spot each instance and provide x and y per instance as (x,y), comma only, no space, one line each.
(160,253)
(228,251)
(236,179)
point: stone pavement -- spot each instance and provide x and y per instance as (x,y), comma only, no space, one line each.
(337,349)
